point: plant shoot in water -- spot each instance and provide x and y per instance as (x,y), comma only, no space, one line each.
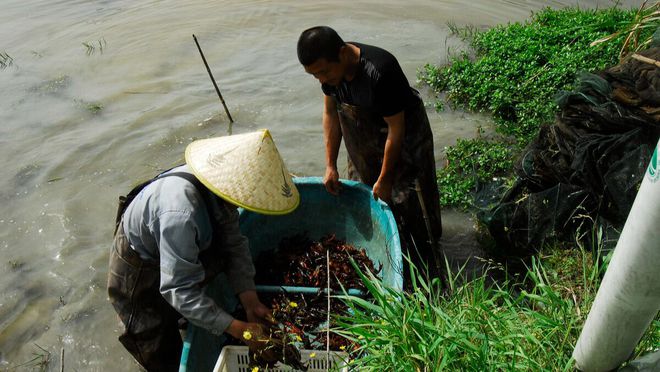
(91,46)
(5,60)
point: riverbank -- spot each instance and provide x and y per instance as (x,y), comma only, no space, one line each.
(531,320)
(514,72)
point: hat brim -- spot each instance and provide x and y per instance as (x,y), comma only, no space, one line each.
(245,170)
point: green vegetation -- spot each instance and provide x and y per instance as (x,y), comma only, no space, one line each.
(470,163)
(15,265)
(53,86)
(91,46)
(93,107)
(5,60)
(479,326)
(517,70)
(529,321)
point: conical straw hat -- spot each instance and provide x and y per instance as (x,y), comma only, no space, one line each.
(245,170)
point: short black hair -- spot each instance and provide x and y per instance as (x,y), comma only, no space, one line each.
(319,42)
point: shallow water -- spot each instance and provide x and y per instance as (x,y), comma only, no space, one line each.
(81,124)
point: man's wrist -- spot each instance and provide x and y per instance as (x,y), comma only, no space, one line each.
(235,329)
(385,178)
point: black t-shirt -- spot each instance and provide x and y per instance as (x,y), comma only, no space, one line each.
(379,84)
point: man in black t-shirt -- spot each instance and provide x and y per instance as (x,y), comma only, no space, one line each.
(369,103)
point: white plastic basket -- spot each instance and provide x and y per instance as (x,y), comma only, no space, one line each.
(236,359)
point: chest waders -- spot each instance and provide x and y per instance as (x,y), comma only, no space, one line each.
(415,196)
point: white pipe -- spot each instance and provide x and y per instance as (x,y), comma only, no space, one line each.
(629,296)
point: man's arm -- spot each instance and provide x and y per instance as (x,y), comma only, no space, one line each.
(181,273)
(332,137)
(396,126)
(240,269)
(236,250)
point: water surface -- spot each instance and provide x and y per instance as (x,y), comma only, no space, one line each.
(81,124)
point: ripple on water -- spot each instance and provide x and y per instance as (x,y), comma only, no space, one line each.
(67,116)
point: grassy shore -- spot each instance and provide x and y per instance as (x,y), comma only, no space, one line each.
(531,324)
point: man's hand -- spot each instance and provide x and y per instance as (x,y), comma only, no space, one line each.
(257,338)
(259,313)
(396,130)
(256,311)
(331,180)
(382,190)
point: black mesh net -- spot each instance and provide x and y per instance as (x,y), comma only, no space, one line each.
(586,168)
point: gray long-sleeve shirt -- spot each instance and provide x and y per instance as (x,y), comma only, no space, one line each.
(169,223)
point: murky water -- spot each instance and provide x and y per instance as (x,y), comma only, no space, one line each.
(101,94)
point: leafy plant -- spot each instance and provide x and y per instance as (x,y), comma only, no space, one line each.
(470,164)
(516,72)
(519,67)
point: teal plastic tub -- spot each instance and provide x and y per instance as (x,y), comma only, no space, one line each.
(353,216)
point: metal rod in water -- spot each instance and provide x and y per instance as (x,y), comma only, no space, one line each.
(213,80)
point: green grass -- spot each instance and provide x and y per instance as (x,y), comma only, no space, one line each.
(516,72)
(478,326)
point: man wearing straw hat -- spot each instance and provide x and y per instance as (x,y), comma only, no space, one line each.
(180,231)
(382,120)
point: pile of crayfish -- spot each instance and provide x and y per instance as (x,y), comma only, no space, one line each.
(302,319)
(300,261)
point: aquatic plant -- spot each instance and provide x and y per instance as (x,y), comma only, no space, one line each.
(465,33)
(90,46)
(15,265)
(93,107)
(52,86)
(5,60)
(40,361)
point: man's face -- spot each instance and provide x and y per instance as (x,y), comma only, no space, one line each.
(331,73)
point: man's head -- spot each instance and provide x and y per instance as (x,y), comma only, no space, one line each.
(323,54)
